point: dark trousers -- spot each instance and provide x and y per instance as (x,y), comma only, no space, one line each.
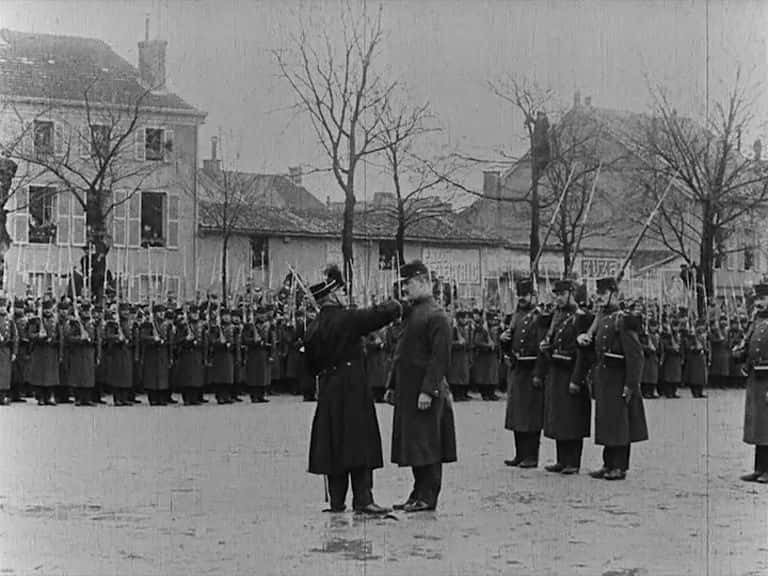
(569,452)
(648,389)
(616,457)
(427,481)
(761,458)
(668,389)
(362,488)
(527,445)
(697,391)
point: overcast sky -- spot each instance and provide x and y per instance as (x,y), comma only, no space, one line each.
(219,59)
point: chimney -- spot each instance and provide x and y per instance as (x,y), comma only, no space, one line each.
(577,99)
(152,61)
(758,148)
(588,101)
(328,202)
(213,164)
(491,187)
(294,174)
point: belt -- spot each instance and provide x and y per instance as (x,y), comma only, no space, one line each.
(525,358)
(334,368)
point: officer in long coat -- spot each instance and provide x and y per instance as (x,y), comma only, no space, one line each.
(345,442)
(567,405)
(619,412)
(423,432)
(46,343)
(525,393)
(754,351)
(82,353)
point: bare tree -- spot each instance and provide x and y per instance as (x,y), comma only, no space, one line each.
(717,188)
(344,96)
(227,200)
(531,101)
(92,162)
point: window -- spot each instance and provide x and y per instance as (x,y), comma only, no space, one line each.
(749,258)
(100,136)
(387,254)
(152,217)
(42,220)
(43,138)
(259,252)
(154,144)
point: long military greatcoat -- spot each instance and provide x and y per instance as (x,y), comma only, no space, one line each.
(119,356)
(619,363)
(695,362)
(525,404)
(256,347)
(376,361)
(189,349)
(80,357)
(46,355)
(484,370)
(423,437)
(721,354)
(9,347)
(671,369)
(756,403)
(345,431)
(156,359)
(566,415)
(458,372)
(651,343)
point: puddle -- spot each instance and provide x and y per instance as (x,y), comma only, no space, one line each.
(355,549)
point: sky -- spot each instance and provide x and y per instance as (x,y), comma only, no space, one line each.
(220,59)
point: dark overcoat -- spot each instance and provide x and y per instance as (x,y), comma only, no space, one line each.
(376,361)
(189,350)
(566,415)
(345,431)
(756,402)
(695,361)
(671,358)
(484,370)
(619,363)
(721,355)
(156,359)
(525,403)
(423,437)
(80,358)
(651,344)
(9,346)
(223,355)
(256,347)
(458,372)
(45,356)
(118,357)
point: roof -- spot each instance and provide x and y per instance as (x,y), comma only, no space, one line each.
(275,190)
(48,66)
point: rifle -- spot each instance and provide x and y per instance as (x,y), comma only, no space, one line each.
(535,262)
(584,221)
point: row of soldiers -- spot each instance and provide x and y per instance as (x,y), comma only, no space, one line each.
(57,350)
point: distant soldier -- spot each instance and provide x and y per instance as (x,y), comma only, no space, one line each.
(222,342)
(670,358)
(567,404)
(753,350)
(118,354)
(20,377)
(696,359)
(82,353)
(46,353)
(256,349)
(190,346)
(484,369)
(720,346)
(458,373)
(651,341)
(525,390)
(619,413)
(155,343)
(9,349)
(345,442)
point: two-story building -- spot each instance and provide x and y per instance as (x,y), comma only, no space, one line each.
(62,97)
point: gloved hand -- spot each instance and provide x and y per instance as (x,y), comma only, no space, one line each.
(583,339)
(536,382)
(626,394)
(425,401)
(389,396)
(573,388)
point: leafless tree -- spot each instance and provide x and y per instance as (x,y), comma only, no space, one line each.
(717,188)
(337,84)
(227,199)
(92,162)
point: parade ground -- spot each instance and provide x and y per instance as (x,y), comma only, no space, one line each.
(223,490)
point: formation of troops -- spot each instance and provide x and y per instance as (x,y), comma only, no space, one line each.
(549,358)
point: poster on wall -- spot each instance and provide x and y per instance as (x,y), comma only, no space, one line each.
(463,266)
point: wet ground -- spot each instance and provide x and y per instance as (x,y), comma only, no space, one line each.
(223,490)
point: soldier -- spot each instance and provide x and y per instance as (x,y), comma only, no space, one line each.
(20,375)
(619,412)
(155,355)
(458,373)
(118,337)
(101,386)
(567,405)
(736,366)
(345,440)
(696,353)
(222,343)
(651,342)
(9,350)
(238,375)
(484,370)
(753,350)
(256,349)
(63,388)
(45,356)
(525,394)
(670,359)
(720,347)
(423,433)
(190,347)
(82,353)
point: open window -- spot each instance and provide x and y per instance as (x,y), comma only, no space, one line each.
(259,252)
(42,214)
(387,254)
(153,219)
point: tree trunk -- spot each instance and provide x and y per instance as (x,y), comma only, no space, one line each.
(7,172)
(5,245)
(347,232)
(400,236)
(96,221)
(224,250)
(533,250)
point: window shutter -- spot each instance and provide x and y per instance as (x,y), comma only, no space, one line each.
(19,203)
(78,223)
(58,139)
(173,220)
(119,212)
(169,154)
(140,143)
(134,220)
(62,205)
(85,141)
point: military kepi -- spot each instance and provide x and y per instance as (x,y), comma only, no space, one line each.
(607,284)
(412,270)
(333,281)
(524,287)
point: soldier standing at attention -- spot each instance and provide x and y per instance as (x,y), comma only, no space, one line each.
(423,433)
(754,350)
(651,343)
(721,353)
(567,405)
(9,349)
(458,373)
(345,442)
(619,412)
(483,372)
(525,393)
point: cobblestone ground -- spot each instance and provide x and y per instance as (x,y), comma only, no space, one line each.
(223,490)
